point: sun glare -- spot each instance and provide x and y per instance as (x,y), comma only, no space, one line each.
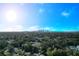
(11,16)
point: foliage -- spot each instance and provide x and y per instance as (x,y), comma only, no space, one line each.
(40,43)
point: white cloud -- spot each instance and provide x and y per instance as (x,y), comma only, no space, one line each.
(65,13)
(36,28)
(49,28)
(33,28)
(12,28)
(41,10)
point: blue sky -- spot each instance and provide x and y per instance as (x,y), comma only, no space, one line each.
(43,16)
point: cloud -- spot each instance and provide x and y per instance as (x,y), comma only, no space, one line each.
(18,28)
(33,28)
(12,28)
(65,13)
(41,10)
(36,28)
(49,28)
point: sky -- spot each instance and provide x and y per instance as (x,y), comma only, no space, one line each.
(40,16)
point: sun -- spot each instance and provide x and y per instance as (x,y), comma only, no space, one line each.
(11,15)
